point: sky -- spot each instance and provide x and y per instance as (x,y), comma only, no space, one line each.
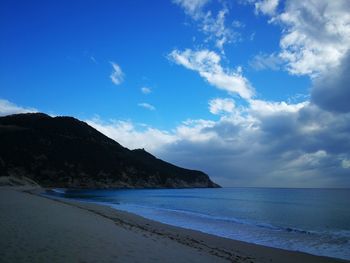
(253,92)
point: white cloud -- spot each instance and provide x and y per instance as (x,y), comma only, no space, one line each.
(211,25)
(129,136)
(267,7)
(146,90)
(219,106)
(308,160)
(207,64)
(316,42)
(117,75)
(127,133)
(345,163)
(266,61)
(7,108)
(147,106)
(190,130)
(238,24)
(193,8)
(316,35)
(262,107)
(215,28)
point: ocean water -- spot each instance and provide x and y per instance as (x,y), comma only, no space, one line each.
(315,221)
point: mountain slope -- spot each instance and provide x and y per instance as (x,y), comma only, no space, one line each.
(66,152)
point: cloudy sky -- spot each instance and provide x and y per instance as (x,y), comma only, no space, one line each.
(253,92)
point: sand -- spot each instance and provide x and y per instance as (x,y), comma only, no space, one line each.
(34,228)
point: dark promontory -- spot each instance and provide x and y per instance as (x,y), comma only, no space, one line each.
(66,152)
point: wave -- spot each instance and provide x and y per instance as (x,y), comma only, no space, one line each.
(60,191)
(336,236)
(211,217)
(333,243)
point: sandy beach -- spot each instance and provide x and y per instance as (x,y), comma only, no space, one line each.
(34,228)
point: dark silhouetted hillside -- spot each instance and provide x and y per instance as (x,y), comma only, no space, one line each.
(66,152)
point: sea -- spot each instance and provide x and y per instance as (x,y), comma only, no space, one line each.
(316,221)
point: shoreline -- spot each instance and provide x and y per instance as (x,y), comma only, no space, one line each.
(193,244)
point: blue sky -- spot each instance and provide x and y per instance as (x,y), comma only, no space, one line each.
(211,85)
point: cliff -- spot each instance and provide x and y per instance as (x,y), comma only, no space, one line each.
(66,152)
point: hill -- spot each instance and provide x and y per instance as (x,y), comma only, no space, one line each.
(66,152)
